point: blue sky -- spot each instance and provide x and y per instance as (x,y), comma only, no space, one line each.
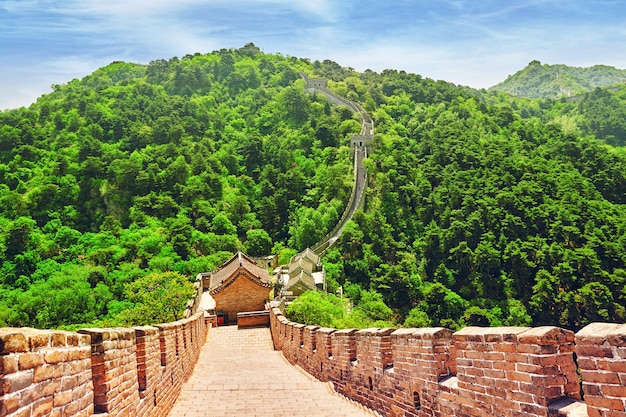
(469,42)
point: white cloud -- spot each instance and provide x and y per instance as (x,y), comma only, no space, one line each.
(125,9)
(324,9)
(327,10)
(462,41)
(35,79)
(19,6)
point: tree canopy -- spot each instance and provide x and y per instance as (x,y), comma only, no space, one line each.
(481,208)
(138,170)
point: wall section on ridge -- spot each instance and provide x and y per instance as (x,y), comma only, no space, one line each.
(503,371)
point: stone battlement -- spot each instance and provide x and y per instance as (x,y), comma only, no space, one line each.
(106,372)
(503,371)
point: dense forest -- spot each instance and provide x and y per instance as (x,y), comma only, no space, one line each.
(139,171)
(556,81)
(481,208)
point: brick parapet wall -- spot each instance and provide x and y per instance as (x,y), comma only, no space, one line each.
(45,373)
(149,372)
(113,361)
(601,352)
(502,371)
(97,372)
(322,358)
(421,359)
(253,319)
(520,370)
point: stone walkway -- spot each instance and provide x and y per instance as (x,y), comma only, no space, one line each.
(239,374)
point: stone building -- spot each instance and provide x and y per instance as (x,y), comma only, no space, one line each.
(312,83)
(240,285)
(304,272)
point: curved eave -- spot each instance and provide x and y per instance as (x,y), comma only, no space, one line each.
(255,279)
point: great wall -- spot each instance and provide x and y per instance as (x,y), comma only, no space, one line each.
(502,371)
(358,145)
(97,372)
(477,372)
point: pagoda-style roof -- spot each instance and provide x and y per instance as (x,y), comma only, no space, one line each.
(304,272)
(307,260)
(301,279)
(239,265)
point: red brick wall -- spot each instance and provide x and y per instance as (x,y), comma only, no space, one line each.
(113,372)
(241,295)
(481,372)
(45,373)
(253,319)
(517,369)
(601,351)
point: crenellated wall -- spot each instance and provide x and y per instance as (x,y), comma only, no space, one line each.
(482,372)
(477,372)
(97,372)
(601,353)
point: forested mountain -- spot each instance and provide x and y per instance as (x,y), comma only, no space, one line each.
(556,81)
(479,216)
(168,167)
(600,113)
(480,208)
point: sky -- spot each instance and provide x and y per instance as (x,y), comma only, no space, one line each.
(477,43)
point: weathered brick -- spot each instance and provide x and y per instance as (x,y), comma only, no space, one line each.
(17,381)
(614,391)
(599,377)
(612,404)
(43,373)
(38,340)
(11,341)
(72,408)
(618,366)
(30,360)
(8,365)
(50,388)
(594,351)
(546,335)
(595,334)
(9,403)
(42,407)
(55,356)
(518,376)
(62,398)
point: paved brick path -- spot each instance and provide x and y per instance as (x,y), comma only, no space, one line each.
(239,374)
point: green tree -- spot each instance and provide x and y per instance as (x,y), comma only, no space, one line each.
(296,106)
(19,237)
(372,304)
(156,298)
(306,229)
(258,243)
(222,225)
(315,307)
(417,318)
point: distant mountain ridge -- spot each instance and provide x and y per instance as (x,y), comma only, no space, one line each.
(539,80)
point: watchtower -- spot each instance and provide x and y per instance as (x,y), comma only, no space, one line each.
(313,83)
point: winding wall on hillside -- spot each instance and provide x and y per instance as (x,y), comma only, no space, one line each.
(478,372)
(122,371)
(358,144)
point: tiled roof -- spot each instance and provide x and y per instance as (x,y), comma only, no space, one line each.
(306,259)
(232,268)
(302,276)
